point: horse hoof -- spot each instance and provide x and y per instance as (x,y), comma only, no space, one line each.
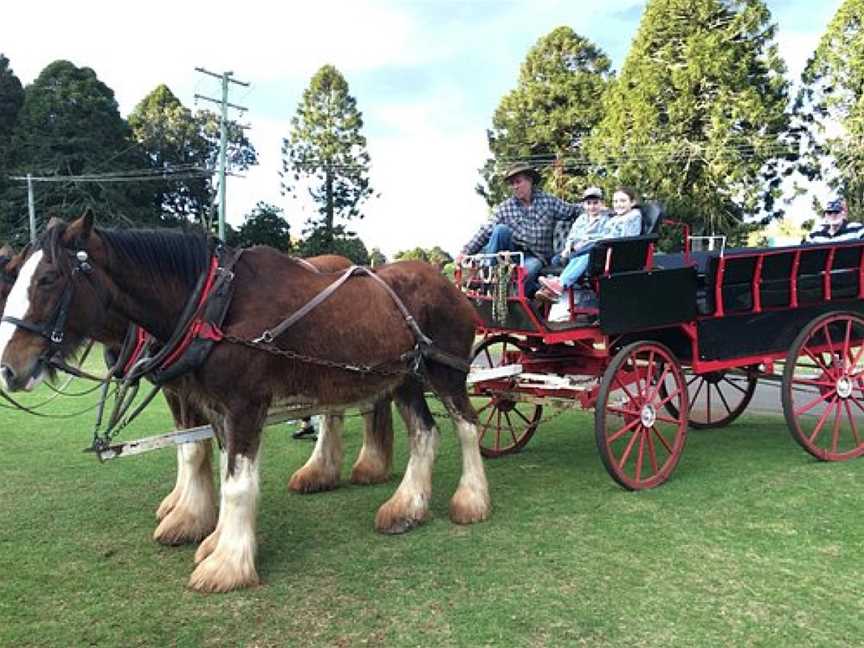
(392,519)
(182,527)
(167,505)
(215,575)
(367,473)
(207,546)
(468,506)
(309,480)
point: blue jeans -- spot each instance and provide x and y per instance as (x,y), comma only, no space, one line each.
(576,267)
(501,239)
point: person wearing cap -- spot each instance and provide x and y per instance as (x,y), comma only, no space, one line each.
(835,225)
(626,220)
(524,222)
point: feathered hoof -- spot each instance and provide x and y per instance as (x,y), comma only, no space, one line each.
(365,473)
(182,527)
(220,573)
(207,546)
(310,480)
(395,517)
(167,505)
(468,506)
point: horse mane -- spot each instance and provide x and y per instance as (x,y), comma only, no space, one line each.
(158,254)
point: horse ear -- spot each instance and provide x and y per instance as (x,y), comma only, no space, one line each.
(79,230)
(7,251)
(54,220)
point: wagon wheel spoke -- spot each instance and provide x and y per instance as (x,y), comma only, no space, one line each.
(698,390)
(734,384)
(617,435)
(833,351)
(662,439)
(652,452)
(818,429)
(626,391)
(818,361)
(725,403)
(510,425)
(629,448)
(656,386)
(521,415)
(667,419)
(806,408)
(640,454)
(835,431)
(852,424)
(622,411)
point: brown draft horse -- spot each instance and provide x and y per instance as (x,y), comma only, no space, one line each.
(188,513)
(147,278)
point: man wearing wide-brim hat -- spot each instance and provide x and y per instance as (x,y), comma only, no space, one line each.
(524,222)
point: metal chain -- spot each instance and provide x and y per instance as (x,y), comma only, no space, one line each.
(321,362)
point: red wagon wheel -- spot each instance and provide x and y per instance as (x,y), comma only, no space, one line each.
(823,387)
(639,441)
(506,425)
(716,398)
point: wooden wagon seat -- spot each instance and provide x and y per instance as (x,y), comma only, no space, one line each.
(775,286)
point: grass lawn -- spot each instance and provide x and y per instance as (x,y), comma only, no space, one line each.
(751,542)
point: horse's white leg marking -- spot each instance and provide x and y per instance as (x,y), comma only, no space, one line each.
(209,543)
(321,470)
(232,562)
(375,458)
(170,500)
(471,501)
(193,514)
(18,303)
(409,505)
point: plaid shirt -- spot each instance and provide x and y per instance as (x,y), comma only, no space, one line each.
(532,226)
(586,228)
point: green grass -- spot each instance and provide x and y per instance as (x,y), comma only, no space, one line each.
(751,542)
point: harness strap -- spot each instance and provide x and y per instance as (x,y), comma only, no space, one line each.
(425,346)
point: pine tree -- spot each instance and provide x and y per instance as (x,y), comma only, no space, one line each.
(830,106)
(13,206)
(556,103)
(70,125)
(326,151)
(697,117)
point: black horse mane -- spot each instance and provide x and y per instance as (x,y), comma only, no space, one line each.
(159,254)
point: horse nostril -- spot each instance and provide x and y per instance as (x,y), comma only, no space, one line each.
(7,374)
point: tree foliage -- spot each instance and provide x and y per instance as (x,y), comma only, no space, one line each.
(326,152)
(697,117)
(435,255)
(830,106)
(340,242)
(70,125)
(12,195)
(264,225)
(185,145)
(377,257)
(554,106)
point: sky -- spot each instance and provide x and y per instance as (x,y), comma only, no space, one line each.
(427,76)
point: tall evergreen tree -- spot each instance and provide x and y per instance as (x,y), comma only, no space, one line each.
(70,125)
(831,106)
(697,117)
(12,196)
(326,151)
(175,139)
(556,103)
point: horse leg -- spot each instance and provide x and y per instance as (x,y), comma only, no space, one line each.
(230,563)
(321,470)
(375,460)
(193,515)
(409,505)
(470,503)
(209,543)
(170,500)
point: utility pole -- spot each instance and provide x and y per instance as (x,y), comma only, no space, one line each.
(31,208)
(223,135)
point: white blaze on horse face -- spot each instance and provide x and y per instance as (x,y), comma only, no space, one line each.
(18,302)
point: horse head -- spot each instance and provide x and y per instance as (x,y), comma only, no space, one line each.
(48,308)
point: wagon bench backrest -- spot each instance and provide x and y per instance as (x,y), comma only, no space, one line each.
(757,279)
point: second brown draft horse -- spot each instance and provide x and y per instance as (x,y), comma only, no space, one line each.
(84,273)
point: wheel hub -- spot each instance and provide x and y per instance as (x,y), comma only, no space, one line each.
(844,387)
(648,415)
